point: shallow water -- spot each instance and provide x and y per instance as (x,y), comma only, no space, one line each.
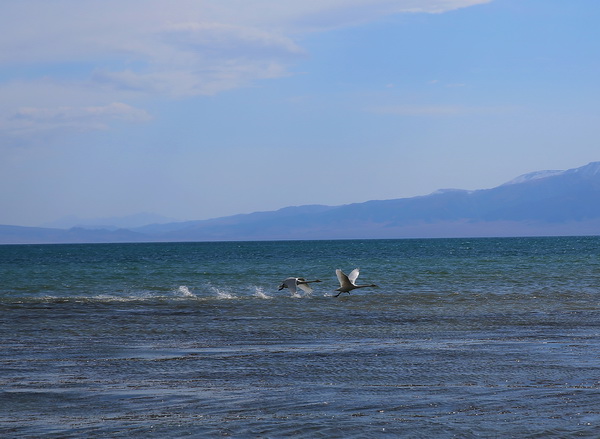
(463,338)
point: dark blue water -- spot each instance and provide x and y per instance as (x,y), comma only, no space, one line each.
(463,338)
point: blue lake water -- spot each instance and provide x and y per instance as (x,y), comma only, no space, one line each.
(463,338)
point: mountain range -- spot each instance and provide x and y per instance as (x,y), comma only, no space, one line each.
(543,203)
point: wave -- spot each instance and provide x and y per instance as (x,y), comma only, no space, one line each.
(259,293)
(180,294)
(184,291)
(222,293)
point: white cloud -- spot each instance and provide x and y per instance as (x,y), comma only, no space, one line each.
(228,40)
(204,59)
(316,15)
(125,50)
(153,36)
(35,121)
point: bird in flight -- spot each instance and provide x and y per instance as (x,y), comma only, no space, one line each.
(348,283)
(293,283)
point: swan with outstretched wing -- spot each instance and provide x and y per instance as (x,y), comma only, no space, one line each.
(348,282)
(293,283)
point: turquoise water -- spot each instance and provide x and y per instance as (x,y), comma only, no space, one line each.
(462,338)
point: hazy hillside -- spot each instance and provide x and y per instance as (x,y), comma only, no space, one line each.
(536,204)
(35,235)
(540,203)
(110,223)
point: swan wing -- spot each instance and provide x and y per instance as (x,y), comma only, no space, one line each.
(291,283)
(305,287)
(344,281)
(353,276)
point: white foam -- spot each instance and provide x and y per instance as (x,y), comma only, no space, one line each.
(258,292)
(184,291)
(221,293)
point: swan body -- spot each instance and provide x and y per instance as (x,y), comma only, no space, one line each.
(348,282)
(293,283)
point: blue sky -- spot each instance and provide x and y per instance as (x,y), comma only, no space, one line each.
(196,109)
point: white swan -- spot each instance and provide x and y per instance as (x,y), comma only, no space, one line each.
(348,283)
(297,282)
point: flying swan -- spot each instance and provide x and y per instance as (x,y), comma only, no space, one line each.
(297,282)
(348,283)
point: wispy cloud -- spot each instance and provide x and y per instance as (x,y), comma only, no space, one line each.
(123,50)
(165,38)
(35,121)
(316,15)
(193,58)
(223,40)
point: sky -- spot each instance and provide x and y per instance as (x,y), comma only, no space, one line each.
(196,109)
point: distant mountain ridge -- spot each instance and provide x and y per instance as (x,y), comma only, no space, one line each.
(532,176)
(535,204)
(110,223)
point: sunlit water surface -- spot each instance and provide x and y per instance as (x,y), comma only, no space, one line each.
(462,338)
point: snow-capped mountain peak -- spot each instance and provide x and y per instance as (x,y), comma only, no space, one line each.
(533,176)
